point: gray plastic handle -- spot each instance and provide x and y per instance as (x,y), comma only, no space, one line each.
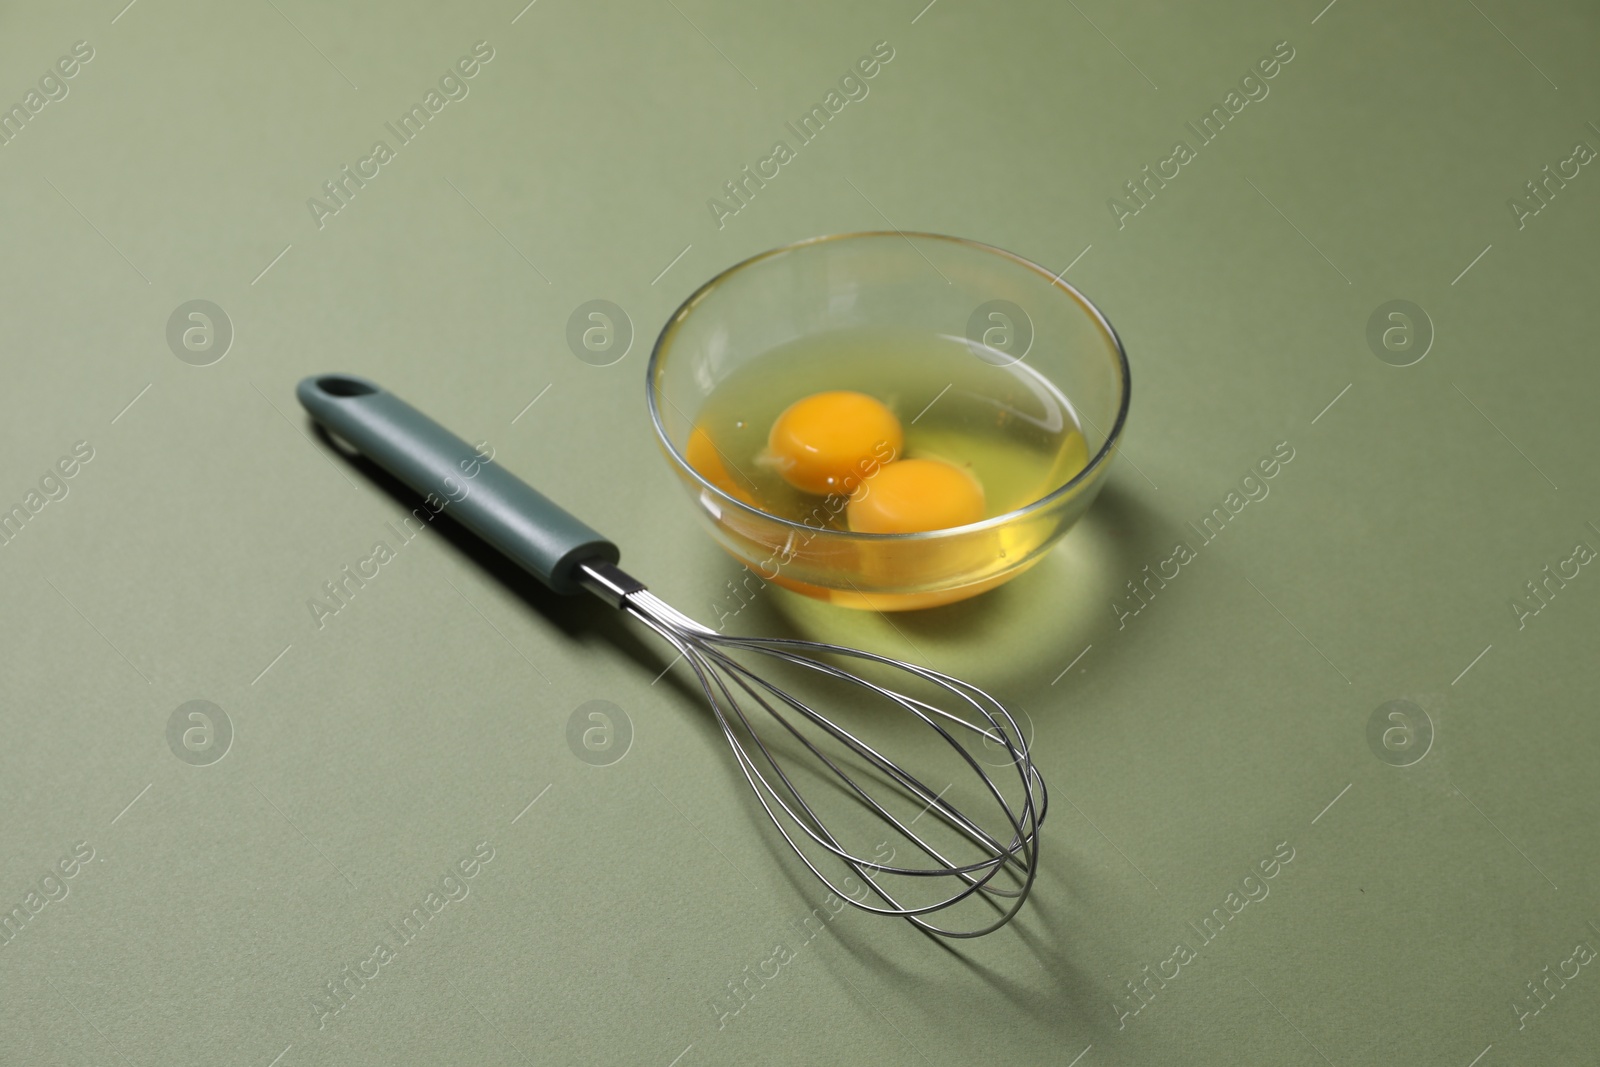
(491,502)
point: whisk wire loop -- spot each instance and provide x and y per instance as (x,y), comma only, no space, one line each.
(933,802)
(957,821)
(730,686)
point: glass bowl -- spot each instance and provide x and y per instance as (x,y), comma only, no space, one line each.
(1006,309)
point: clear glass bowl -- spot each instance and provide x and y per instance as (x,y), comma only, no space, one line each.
(1006,308)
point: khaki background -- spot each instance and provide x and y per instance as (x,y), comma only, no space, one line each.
(372,754)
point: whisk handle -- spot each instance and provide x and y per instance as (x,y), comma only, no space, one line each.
(502,509)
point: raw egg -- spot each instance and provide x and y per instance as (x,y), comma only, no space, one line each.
(827,442)
(916,495)
(703,456)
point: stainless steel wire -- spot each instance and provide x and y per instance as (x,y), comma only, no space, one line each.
(965,895)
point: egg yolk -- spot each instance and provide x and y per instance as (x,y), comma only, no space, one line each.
(827,442)
(915,495)
(704,457)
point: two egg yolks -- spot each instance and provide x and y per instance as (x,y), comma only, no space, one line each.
(850,443)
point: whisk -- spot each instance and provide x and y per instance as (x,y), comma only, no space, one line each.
(828,790)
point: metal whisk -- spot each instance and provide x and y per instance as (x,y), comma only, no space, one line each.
(1011,849)
(831,793)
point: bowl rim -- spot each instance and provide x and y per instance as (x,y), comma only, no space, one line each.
(726,500)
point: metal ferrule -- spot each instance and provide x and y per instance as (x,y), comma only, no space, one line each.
(608,581)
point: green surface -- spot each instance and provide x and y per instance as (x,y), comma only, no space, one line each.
(374,754)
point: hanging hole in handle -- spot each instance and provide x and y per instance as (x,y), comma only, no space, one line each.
(336,386)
